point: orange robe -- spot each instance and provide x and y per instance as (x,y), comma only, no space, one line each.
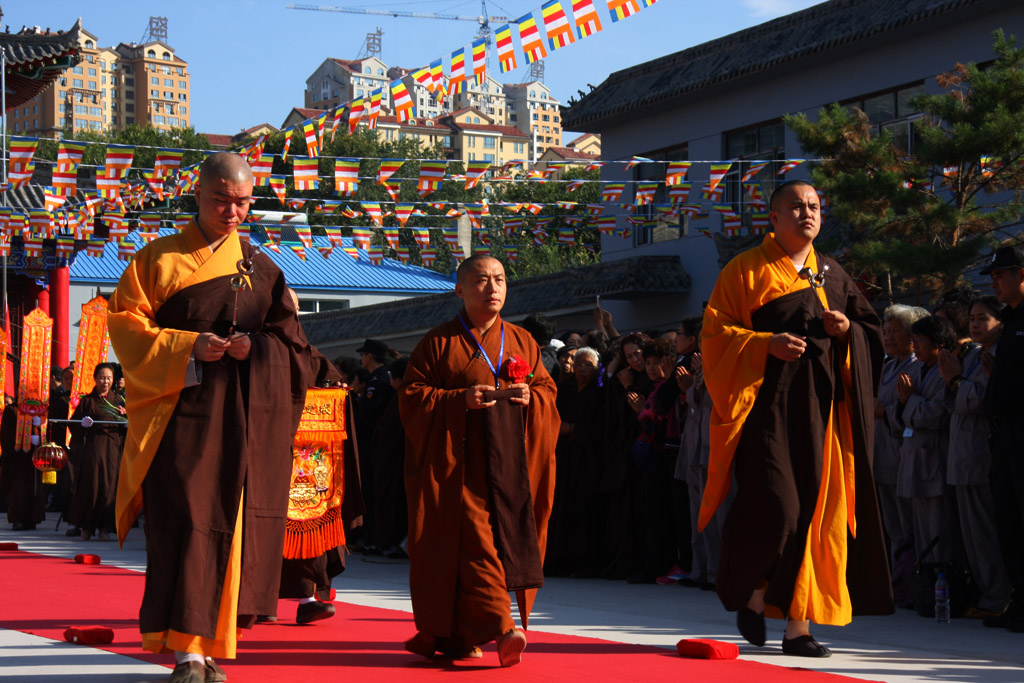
(792,526)
(457,579)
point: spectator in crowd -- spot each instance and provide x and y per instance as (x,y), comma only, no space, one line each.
(654,452)
(575,531)
(896,510)
(20,483)
(565,357)
(924,413)
(620,485)
(98,448)
(542,329)
(687,345)
(60,409)
(970,459)
(955,306)
(1004,404)
(391,518)
(346,367)
(368,405)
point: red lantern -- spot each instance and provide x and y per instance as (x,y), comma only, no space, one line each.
(48,459)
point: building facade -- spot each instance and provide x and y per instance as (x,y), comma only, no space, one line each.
(724,100)
(533,110)
(111,88)
(337,81)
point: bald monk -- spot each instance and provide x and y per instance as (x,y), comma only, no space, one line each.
(792,356)
(215,389)
(479,492)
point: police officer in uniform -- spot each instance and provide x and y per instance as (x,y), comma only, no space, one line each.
(367,410)
(1004,403)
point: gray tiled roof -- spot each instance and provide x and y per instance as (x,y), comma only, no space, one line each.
(31,60)
(569,289)
(769,46)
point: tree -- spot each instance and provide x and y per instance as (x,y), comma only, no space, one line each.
(917,222)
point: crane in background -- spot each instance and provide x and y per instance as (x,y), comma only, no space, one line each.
(372,46)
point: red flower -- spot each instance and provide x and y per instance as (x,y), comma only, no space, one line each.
(517,370)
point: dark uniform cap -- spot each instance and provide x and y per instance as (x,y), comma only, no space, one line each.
(374,346)
(1005,257)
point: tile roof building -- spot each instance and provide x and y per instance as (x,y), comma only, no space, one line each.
(724,100)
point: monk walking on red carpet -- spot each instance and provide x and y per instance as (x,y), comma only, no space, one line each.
(481,425)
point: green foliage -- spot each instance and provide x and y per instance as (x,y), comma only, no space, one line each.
(917,222)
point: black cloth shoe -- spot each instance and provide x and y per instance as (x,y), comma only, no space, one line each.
(1002,620)
(265,619)
(751,626)
(189,672)
(73,531)
(314,611)
(214,674)
(805,646)
(1015,625)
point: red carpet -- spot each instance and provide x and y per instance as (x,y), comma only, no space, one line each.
(46,595)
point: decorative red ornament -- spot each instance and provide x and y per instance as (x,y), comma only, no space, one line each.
(49,459)
(517,370)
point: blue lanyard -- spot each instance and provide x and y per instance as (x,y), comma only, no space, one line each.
(896,369)
(501,350)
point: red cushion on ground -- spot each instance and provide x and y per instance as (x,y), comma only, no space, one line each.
(89,635)
(87,559)
(8,546)
(704,648)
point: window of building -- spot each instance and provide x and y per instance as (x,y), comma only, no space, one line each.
(892,111)
(129,82)
(154,81)
(16,125)
(79,97)
(129,106)
(81,109)
(79,123)
(151,54)
(182,97)
(63,81)
(61,107)
(535,117)
(172,121)
(168,83)
(129,120)
(154,93)
(77,83)
(182,84)
(78,70)
(95,125)
(650,172)
(95,111)
(129,94)
(92,85)
(92,71)
(180,71)
(158,118)
(488,143)
(168,95)
(167,56)
(89,44)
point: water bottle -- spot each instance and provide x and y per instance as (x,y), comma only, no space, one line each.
(941,599)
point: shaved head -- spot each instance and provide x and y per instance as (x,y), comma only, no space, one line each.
(226,166)
(472,264)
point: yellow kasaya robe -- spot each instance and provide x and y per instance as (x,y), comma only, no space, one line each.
(200,436)
(798,438)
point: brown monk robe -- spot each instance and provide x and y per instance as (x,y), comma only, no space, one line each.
(792,356)
(479,472)
(212,416)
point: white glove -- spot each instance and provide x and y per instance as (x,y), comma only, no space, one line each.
(36,421)
(34,439)
(87,421)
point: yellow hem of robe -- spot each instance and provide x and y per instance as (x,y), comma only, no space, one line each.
(225,640)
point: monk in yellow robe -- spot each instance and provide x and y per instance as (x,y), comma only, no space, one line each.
(481,426)
(215,386)
(792,356)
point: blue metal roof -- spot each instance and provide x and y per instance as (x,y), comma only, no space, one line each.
(339,273)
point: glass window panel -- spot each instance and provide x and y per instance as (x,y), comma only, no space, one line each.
(903,98)
(880,108)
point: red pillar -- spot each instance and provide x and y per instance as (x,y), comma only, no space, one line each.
(43,299)
(60,294)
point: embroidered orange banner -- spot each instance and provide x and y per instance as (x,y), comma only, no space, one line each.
(317,488)
(34,387)
(93,342)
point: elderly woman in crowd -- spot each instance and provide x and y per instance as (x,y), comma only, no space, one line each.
(99,449)
(925,412)
(896,514)
(969,457)
(575,529)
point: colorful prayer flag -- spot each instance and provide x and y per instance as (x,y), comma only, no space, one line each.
(305,173)
(167,162)
(402,101)
(479,51)
(529,36)
(69,155)
(506,50)
(372,210)
(391,237)
(119,160)
(679,194)
(388,167)
(759,223)
(309,132)
(376,254)
(277,185)
(261,169)
(287,142)
(676,172)
(431,176)
(361,238)
(20,164)
(611,192)
(346,177)
(457,79)
(622,9)
(354,114)
(428,257)
(436,76)
(753,171)
(556,25)
(790,165)
(717,173)
(587,21)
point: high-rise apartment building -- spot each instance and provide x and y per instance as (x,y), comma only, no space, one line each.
(533,110)
(110,88)
(341,80)
(488,97)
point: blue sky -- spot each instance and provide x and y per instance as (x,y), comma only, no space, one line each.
(250,58)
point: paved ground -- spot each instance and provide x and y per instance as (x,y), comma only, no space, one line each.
(901,648)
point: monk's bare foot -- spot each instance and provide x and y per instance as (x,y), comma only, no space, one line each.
(510,647)
(422,644)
